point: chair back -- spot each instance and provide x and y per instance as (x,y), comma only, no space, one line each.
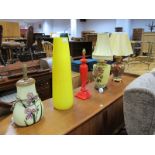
(1,32)
(48,48)
(30,37)
(139,105)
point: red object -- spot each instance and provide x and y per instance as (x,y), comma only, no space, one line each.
(83,93)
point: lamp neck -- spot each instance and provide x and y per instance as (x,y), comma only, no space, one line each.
(102,61)
(118,59)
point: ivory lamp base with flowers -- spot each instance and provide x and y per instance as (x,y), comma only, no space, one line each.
(101,73)
(28,108)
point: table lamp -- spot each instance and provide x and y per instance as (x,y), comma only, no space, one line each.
(28,107)
(102,53)
(83,93)
(120,46)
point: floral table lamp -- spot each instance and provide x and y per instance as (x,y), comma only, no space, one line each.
(102,53)
(120,46)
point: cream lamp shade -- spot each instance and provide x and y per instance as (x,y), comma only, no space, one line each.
(102,49)
(120,44)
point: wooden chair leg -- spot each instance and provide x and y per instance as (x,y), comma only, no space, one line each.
(1,58)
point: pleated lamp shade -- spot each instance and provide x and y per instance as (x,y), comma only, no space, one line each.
(102,49)
(120,44)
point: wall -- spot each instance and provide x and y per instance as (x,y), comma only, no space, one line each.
(100,25)
(38,27)
(56,25)
(62,25)
(125,23)
(105,25)
(73,26)
(80,27)
(108,25)
(141,23)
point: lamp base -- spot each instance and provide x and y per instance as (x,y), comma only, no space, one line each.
(101,73)
(118,70)
(83,95)
(117,79)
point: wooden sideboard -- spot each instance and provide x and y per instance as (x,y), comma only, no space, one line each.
(14,73)
(101,114)
(43,84)
(43,78)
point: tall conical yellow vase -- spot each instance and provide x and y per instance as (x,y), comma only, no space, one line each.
(61,75)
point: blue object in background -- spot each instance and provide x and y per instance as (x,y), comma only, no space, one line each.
(76,64)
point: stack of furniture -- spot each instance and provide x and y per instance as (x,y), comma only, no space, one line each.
(137,37)
(147,37)
(33,48)
(90,36)
(137,34)
(48,48)
(84,33)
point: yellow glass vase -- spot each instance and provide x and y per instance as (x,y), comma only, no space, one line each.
(61,75)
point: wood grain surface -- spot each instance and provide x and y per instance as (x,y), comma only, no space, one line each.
(64,122)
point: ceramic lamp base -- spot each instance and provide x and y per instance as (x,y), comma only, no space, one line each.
(118,70)
(83,95)
(101,73)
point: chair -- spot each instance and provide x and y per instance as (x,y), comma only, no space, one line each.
(48,48)
(139,105)
(27,52)
(145,59)
(1,56)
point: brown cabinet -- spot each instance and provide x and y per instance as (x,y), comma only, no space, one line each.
(77,46)
(137,34)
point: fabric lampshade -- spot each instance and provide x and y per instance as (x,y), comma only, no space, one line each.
(120,44)
(102,49)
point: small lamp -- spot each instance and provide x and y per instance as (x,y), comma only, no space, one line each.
(83,93)
(102,53)
(28,108)
(120,46)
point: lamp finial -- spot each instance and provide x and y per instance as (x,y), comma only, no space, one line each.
(84,52)
(25,77)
